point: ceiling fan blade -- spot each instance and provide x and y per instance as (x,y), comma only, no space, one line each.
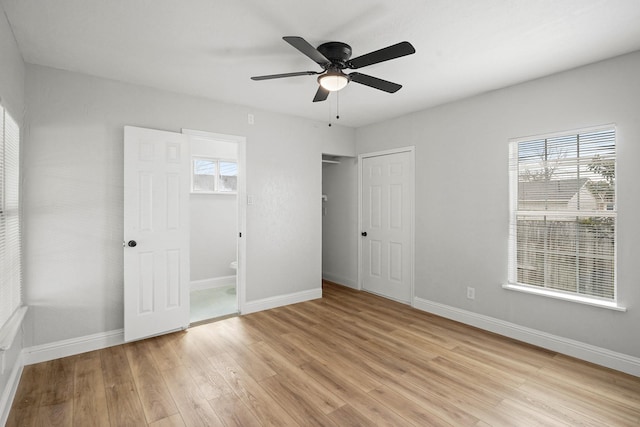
(375,82)
(279,76)
(381,55)
(303,46)
(321,95)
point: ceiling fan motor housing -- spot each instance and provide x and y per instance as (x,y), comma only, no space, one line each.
(336,52)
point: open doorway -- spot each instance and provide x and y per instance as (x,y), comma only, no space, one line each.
(214,214)
(340,220)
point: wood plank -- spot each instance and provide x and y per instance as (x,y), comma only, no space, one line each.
(172,421)
(264,407)
(233,412)
(299,406)
(575,399)
(347,416)
(342,360)
(194,408)
(24,410)
(90,399)
(56,414)
(235,344)
(210,383)
(376,413)
(163,352)
(123,401)
(58,386)
(152,390)
(413,413)
(350,358)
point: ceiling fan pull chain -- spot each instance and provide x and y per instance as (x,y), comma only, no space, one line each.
(338,106)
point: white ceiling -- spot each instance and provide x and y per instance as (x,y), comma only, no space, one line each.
(211,48)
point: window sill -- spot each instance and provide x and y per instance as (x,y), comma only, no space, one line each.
(611,305)
(11,328)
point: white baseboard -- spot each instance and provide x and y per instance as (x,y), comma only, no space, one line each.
(340,280)
(280,300)
(577,349)
(214,282)
(9,393)
(70,347)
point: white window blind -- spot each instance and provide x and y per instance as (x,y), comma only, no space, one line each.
(214,176)
(563,213)
(10,259)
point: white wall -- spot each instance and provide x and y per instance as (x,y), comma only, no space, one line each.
(462,195)
(214,220)
(74,189)
(12,77)
(340,232)
(12,71)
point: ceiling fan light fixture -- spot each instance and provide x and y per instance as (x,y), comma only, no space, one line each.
(333,81)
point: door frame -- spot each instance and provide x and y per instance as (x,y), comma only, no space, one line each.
(361,157)
(241,196)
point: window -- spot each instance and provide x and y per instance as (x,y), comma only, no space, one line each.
(214,176)
(10,267)
(563,215)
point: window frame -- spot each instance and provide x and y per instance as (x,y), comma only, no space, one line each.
(512,283)
(217,161)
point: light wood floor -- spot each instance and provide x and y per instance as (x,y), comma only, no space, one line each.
(348,359)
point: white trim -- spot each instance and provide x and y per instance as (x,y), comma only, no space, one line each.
(410,148)
(349,283)
(565,296)
(565,133)
(215,136)
(71,347)
(214,282)
(10,389)
(412,212)
(556,214)
(281,300)
(580,350)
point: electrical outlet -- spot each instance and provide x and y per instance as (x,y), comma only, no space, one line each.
(250,119)
(471,293)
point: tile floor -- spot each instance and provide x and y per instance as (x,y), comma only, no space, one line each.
(210,303)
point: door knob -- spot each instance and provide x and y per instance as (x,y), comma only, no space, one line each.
(363,234)
(131,243)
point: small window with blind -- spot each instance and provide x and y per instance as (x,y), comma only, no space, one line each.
(214,176)
(10,264)
(562,237)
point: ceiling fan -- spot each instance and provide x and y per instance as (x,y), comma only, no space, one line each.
(334,57)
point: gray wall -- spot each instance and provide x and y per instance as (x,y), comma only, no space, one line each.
(74,188)
(12,97)
(462,195)
(12,69)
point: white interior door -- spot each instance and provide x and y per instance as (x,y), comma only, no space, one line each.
(156,232)
(386,209)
